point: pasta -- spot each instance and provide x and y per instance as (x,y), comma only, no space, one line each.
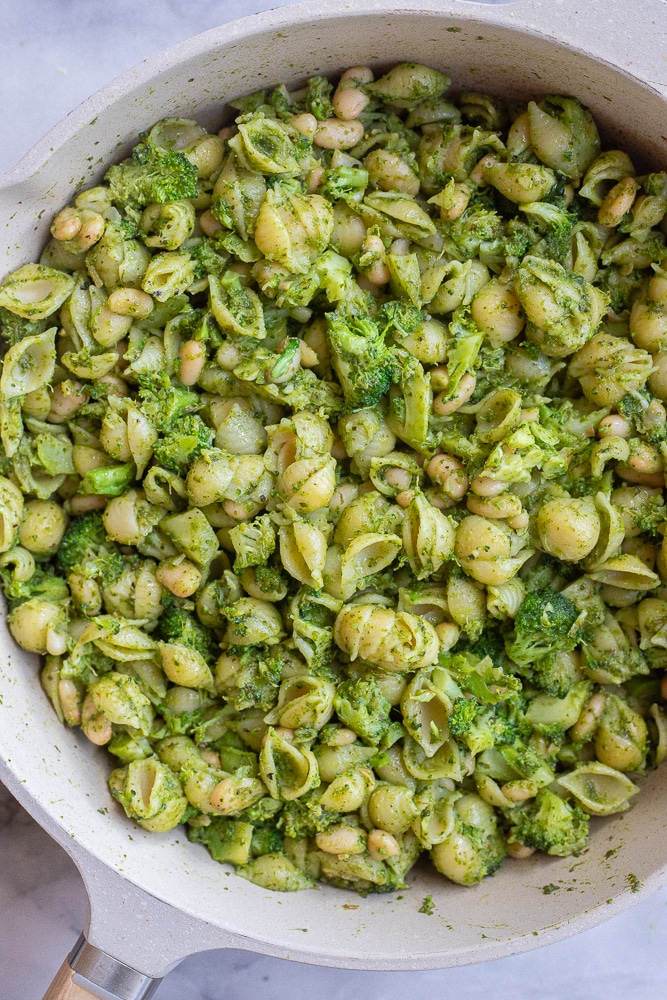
(333,470)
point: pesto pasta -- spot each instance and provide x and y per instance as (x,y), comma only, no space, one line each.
(332,478)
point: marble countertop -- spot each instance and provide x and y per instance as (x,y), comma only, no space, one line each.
(53,56)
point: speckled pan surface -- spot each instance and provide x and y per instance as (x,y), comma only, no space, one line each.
(157,898)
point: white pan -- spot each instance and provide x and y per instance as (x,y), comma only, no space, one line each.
(156,899)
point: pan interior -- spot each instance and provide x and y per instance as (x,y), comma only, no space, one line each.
(62,778)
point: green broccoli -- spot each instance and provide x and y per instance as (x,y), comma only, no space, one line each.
(549,824)
(108,480)
(545,624)
(361,705)
(86,549)
(318,98)
(182,443)
(479,678)
(304,817)
(14,328)
(475,226)
(265,840)
(152,176)
(177,625)
(555,223)
(255,683)
(481,726)
(42,585)
(348,183)
(226,839)
(365,366)
(163,403)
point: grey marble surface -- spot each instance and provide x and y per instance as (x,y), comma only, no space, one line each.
(54,53)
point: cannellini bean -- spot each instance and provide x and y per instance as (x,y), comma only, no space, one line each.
(84,504)
(618,201)
(66,399)
(209,224)
(342,840)
(349,103)
(193,358)
(357,74)
(399,479)
(519,790)
(342,737)
(614,426)
(182,577)
(96,727)
(382,845)
(405,498)
(309,358)
(66,225)
(228,357)
(130,302)
(587,722)
(306,124)
(457,203)
(504,506)
(519,522)
(448,635)
(70,701)
(444,406)
(337,134)
(484,486)
(448,472)
(519,851)
(314,179)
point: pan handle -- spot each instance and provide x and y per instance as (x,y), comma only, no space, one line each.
(91,974)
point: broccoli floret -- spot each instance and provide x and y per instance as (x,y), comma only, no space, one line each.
(152,176)
(228,840)
(177,625)
(255,683)
(318,98)
(14,328)
(365,366)
(42,585)
(344,182)
(550,824)
(490,643)
(179,446)
(481,726)
(400,318)
(163,403)
(208,260)
(265,840)
(544,624)
(556,223)
(555,674)
(462,716)
(305,817)
(361,705)
(86,549)
(475,226)
(480,678)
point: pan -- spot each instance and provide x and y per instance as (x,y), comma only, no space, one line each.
(155,899)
